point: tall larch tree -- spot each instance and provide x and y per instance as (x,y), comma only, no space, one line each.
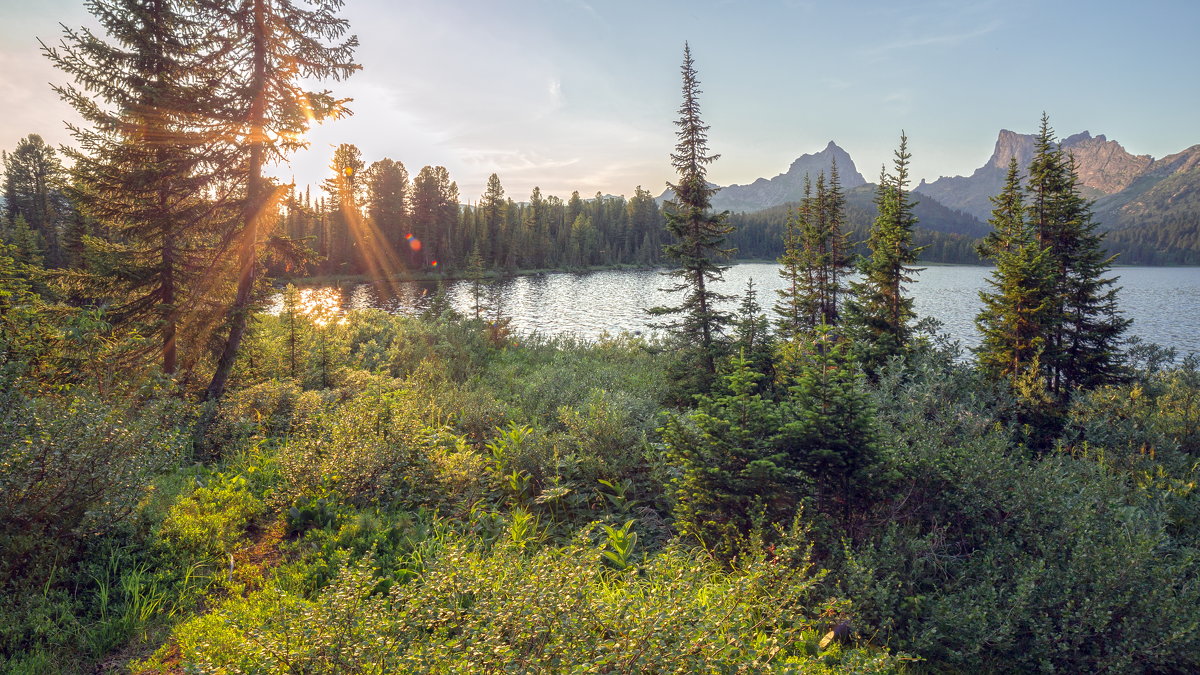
(349,238)
(273,49)
(700,235)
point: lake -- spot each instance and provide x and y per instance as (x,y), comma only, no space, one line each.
(1164,302)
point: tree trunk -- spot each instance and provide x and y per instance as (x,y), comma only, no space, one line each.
(255,201)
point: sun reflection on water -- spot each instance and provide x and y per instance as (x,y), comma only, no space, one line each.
(322,305)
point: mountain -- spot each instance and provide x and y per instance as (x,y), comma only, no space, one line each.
(1170,184)
(788,186)
(1156,219)
(1150,208)
(1104,167)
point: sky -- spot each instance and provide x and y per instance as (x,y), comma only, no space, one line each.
(582,94)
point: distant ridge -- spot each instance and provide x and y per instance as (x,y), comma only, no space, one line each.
(1104,167)
(788,186)
(1149,207)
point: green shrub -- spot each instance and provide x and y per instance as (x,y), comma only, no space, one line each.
(989,558)
(271,408)
(75,467)
(210,520)
(535,610)
(371,448)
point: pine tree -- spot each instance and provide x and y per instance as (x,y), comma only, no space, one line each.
(700,236)
(880,312)
(388,197)
(536,231)
(435,210)
(493,223)
(148,169)
(646,225)
(272,47)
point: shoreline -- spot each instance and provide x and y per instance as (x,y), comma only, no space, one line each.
(340,279)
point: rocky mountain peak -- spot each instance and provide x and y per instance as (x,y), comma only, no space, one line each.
(1010,144)
(786,187)
(1103,165)
(1104,168)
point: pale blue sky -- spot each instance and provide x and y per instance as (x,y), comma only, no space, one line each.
(581,94)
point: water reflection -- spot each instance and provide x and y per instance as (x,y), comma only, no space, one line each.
(1163,302)
(321,304)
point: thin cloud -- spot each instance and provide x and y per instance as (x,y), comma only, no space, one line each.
(512,161)
(940,39)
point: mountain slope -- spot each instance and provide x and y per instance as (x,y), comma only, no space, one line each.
(1104,168)
(788,186)
(1156,220)
(948,236)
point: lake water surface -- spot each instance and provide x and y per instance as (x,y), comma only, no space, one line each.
(1164,302)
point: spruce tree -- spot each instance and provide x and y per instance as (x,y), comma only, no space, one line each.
(1015,317)
(272,48)
(837,261)
(795,307)
(148,168)
(1084,330)
(746,458)
(731,468)
(880,311)
(830,434)
(700,237)
(26,243)
(752,332)
(478,289)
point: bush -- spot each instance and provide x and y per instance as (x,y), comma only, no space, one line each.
(988,558)
(549,610)
(75,467)
(211,519)
(372,448)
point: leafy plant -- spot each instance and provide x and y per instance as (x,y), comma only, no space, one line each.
(620,543)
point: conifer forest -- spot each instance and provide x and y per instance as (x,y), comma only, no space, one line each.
(205,470)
